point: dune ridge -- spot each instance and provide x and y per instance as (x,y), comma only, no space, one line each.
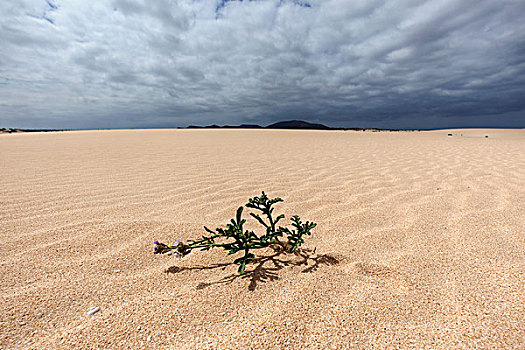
(420,239)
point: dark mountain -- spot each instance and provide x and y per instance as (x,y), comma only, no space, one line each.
(288,124)
(297,124)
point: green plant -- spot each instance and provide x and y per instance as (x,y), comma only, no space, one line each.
(235,239)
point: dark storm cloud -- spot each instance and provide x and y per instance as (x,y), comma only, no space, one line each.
(344,63)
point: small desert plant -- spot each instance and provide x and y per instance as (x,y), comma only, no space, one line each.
(236,239)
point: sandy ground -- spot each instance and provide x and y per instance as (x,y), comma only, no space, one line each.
(420,240)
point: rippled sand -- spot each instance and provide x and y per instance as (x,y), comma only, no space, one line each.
(420,240)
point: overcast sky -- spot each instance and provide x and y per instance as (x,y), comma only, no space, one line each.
(353,63)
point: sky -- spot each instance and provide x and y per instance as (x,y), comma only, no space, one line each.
(344,63)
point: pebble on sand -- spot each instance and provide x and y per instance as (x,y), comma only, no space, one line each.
(93,310)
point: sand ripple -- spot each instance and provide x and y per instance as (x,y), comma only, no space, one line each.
(420,240)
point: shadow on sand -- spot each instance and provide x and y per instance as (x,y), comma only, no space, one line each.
(266,267)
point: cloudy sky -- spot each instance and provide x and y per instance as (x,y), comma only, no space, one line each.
(344,63)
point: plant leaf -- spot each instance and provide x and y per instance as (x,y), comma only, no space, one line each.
(239,213)
(261,221)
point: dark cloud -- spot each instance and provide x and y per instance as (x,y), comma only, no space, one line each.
(344,63)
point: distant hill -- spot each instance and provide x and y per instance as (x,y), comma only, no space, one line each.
(243,126)
(288,124)
(215,126)
(297,124)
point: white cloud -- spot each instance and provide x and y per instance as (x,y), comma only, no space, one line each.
(168,63)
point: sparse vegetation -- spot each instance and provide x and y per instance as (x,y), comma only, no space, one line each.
(234,238)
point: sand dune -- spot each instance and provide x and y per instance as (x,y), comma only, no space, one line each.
(420,240)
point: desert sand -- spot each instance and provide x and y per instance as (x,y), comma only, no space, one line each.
(420,240)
